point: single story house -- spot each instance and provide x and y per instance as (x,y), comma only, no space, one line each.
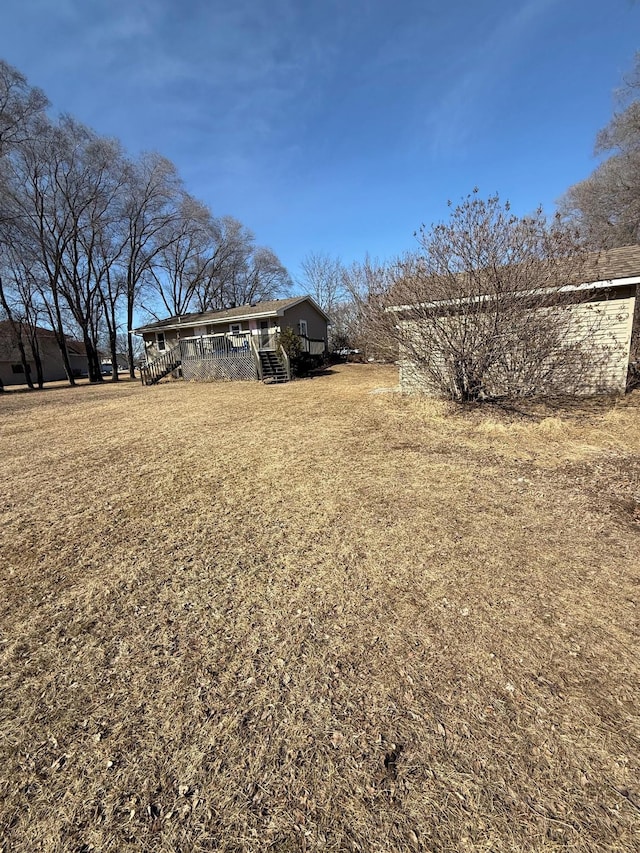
(12,370)
(234,343)
(599,314)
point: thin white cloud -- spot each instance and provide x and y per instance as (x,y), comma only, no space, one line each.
(454,120)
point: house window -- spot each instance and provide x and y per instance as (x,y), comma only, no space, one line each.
(160,342)
(303,328)
(235,328)
(17,368)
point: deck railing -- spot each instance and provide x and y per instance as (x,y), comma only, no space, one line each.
(162,366)
(215,346)
(256,356)
(284,358)
(225,345)
(267,339)
(314,346)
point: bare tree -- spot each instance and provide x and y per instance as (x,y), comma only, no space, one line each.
(89,178)
(111,284)
(18,300)
(262,277)
(15,323)
(482,311)
(344,332)
(606,205)
(36,219)
(19,105)
(211,264)
(62,196)
(150,205)
(239,272)
(323,279)
(367,283)
(189,248)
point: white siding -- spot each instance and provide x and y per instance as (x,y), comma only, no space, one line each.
(605,328)
(610,342)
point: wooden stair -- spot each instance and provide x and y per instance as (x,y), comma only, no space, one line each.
(272,368)
(160,367)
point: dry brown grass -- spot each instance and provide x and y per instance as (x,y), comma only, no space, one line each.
(307,617)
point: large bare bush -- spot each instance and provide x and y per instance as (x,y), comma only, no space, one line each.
(483,309)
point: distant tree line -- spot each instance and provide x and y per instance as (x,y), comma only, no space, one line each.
(90,235)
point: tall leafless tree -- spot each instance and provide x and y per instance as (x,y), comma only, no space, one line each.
(21,108)
(367,282)
(240,272)
(90,177)
(150,207)
(20,104)
(606,205)
(19,303)
(211,264)
(189,247)
(34,198)
(322,277)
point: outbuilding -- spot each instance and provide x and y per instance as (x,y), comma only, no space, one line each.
(600,317)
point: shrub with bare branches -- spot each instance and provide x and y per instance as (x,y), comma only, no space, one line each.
(489,307)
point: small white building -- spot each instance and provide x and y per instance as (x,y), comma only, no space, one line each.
(602,320)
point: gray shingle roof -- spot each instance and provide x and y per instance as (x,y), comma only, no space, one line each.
(603,266)
(268,308)
(9,349)
(612,263)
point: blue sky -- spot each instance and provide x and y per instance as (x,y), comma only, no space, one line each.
(332,126)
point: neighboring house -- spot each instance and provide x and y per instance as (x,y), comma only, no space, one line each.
(608,291)
(236,343)
(12,371)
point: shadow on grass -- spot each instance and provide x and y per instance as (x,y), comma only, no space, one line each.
(63,385)
(322,371)
(534,410)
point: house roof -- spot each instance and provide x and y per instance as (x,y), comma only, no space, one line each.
(605,269)
(9,350)
(268,308)
(612,264)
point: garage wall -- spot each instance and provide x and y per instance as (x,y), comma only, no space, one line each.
(601,328)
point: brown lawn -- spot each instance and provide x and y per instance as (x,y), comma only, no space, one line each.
(237,617)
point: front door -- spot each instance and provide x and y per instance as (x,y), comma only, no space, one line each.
(265,335)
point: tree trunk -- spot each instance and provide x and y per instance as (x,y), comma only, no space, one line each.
(17,331)
(93,361)
(114,355)
(25,364)
(38,363)
(130,301)
(60,338)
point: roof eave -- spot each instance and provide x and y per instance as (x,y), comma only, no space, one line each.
(161,325)
(605,284)
(230,318)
